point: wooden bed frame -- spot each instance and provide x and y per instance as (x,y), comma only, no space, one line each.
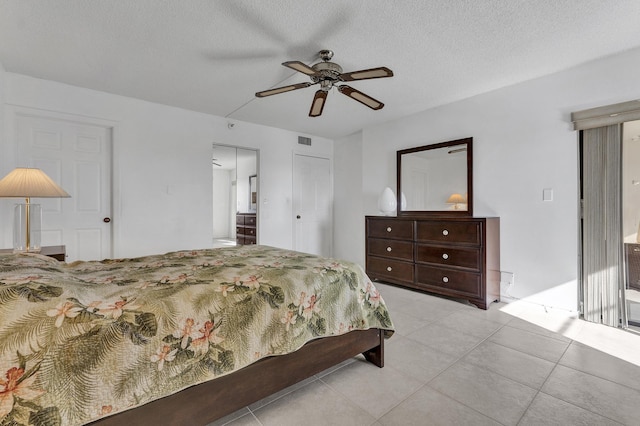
(212,400)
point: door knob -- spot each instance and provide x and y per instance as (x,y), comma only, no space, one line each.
(106,220)
(298,217)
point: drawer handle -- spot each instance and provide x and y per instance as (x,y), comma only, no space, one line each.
(445,279)
(388,249)
(445,256)
(388,229)
(445,232)
(389,268)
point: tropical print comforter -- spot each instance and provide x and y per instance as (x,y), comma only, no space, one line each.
(83,340)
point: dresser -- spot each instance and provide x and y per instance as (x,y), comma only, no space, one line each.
(632,262)
(246,228)
(457,257)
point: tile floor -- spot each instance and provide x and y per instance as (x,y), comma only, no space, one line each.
(453,364)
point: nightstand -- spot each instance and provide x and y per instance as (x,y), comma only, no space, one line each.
(57,252)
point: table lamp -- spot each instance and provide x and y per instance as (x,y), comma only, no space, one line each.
(456,200)
(27,183)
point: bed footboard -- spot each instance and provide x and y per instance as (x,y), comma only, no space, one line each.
(375,355)
(206,402)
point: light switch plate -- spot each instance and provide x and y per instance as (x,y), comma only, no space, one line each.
(547,194)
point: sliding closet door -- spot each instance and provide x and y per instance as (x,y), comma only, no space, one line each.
(602,261)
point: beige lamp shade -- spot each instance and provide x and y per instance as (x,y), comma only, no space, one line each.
(27,182)
(456,199)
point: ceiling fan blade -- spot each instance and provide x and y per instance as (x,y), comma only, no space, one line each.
(318,103)
(360,97)
(300,67)
(379,72)
(282,89)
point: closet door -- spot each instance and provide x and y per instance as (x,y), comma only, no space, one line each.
(602,258)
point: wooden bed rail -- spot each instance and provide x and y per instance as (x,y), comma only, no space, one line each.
(209,401)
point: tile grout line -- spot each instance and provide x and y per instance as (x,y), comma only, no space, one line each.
(454,363)
(539,391)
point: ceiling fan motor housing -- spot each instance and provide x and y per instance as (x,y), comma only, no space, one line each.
(326,72)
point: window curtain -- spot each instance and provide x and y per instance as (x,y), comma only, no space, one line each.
(602,257)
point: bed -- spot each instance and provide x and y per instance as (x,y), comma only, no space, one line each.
(181,338)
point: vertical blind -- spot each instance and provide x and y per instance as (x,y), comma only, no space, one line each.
(602,261)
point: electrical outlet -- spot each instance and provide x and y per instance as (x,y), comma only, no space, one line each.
(507,278)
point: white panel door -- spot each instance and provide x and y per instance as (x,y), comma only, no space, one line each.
(77,156)
(312,205)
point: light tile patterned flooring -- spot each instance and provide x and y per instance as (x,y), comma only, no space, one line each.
(453,364)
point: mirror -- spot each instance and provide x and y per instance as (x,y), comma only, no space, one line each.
(253,193)
(235,189)
(436,179)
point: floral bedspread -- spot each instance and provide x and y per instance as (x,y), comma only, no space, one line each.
(83,340)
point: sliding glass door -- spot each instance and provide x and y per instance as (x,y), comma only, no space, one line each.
(631,217)
(610,212)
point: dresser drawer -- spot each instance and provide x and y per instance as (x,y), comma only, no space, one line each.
(390,248)
(389,228)
(240,219)
(451,256)
(250,220)
(379,267)
(459,282)
(467,232)
(244,230)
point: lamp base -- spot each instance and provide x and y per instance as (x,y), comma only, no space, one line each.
(27,225)
(387,202)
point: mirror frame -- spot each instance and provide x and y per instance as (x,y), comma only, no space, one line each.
(469,212)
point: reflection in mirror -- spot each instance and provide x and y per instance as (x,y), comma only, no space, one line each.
(234,185)
(253,193)
(436,179)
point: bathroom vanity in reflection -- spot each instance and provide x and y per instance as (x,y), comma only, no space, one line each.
(435,244)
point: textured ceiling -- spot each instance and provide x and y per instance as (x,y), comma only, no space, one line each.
(212,55)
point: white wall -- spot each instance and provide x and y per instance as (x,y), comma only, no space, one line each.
(523,143)
(162,166)
(348,213)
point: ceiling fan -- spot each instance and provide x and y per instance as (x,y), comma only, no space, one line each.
(329,74)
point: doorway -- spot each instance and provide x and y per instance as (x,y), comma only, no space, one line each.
(610,226)
(631,217)
(76,153)
(312,205)
(235,193)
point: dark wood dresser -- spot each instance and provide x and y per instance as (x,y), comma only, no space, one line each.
(246,228)
(452,256)
(632,261)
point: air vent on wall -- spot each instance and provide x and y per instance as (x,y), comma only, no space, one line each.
(304,141)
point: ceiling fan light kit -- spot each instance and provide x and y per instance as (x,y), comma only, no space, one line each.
(328,75)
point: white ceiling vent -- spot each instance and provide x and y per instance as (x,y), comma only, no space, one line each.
(304,141)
